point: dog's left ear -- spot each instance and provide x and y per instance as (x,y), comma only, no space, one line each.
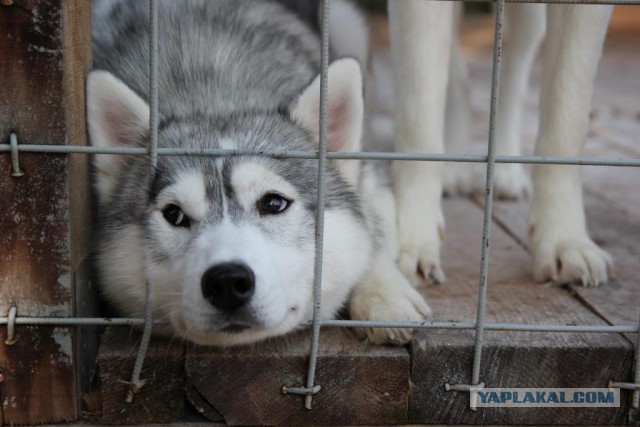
(345,112)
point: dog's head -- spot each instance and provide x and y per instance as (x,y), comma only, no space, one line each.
(227,244)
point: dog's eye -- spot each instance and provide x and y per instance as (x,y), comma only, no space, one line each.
(271,204)
(174,216)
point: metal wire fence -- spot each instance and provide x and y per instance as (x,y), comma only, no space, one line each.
(480,325)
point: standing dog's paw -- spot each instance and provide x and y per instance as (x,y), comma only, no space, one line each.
(570,260)
(511,182)
(420,221)
(387,296)
(458,179)
(423,264)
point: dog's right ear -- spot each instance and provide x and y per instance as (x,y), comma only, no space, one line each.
(116,117)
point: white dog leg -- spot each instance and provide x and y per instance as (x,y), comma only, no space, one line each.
(458,177)
(524,31)
(420,38)
(562,250)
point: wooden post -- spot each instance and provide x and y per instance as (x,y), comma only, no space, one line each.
(45,52)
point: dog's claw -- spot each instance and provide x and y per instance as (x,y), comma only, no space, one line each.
(432,273)
(423,268)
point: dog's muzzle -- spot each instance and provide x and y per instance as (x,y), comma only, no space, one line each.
(228,286)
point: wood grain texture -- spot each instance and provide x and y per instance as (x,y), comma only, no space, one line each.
(619,234)
(616,231)
(77,55)
(161,399)
(510,359)
(43,58)
(361,384)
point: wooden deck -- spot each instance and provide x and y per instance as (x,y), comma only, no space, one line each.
(367,385)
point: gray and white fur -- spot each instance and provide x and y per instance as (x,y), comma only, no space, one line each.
(227,244)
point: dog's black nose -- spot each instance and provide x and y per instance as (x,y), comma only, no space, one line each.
(228,286)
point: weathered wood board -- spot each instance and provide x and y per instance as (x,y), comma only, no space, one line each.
(161,399)
(44,55)
(510,359)
(617,232)
(361,384)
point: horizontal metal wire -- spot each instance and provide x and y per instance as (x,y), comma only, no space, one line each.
(106,321)
(82,321)
(69,149)
(587,2)
(434,157)
(488,326)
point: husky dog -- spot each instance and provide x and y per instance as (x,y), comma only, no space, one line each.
(426,56)
(227,243)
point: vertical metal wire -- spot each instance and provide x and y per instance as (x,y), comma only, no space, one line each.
(488,200)
(153,86)
(322,155)
(135,382)
(635,399)
(16,172)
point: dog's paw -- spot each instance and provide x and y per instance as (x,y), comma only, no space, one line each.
(388,301)
(575,259)
(422,265)
(419,239)
(420,221)
(458,179)
(511,182)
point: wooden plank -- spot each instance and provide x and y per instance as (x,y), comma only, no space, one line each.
(611,136)
(161,399)
(77,57)
(616,231)
(361,384)
(612,204)
(510,359)
(617,186)
(45,51)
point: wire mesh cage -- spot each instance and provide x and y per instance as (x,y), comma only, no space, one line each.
(310,388)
